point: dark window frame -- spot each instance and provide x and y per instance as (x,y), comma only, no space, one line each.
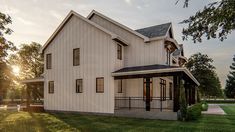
(97,84)
(74,50)
(120,91)
(47,61)
(168,55)
(79,90)
(119,51)
(151,89)
(170,90)
(51,90)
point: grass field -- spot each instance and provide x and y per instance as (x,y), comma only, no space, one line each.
(29,122)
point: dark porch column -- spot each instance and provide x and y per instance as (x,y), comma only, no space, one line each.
(147,103)
(176,81)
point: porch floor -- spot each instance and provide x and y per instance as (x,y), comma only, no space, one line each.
(142,113)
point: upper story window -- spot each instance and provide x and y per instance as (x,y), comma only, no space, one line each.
(79,88)
(119,52)
(99,85)
(119,86)
(76,57)
(51,87)
(168,55)
(48,61)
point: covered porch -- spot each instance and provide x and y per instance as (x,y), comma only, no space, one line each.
(152,91)
(34,94)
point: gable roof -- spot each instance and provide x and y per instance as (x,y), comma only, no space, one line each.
(146,39)
(155,31)
(67,18)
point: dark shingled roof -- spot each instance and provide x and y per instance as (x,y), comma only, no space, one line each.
(154,31)
(141,68)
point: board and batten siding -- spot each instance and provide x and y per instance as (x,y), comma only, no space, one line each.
(97,59)
(138,53)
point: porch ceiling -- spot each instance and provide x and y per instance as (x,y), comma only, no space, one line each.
(153,71)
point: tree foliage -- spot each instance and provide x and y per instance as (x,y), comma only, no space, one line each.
(230,82)
(5,46)
(30,61)
(216,20)
(201,67)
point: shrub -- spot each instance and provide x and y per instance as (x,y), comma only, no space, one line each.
(194,112)
(204,106)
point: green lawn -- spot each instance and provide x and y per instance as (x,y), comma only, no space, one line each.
(24,122)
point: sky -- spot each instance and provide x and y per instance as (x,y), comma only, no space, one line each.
(36,20)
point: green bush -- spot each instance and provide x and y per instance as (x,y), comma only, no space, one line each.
(194,112)
(204,106)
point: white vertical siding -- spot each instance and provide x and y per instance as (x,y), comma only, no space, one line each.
(96,60)
(137,53)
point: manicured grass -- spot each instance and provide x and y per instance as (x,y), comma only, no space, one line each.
(23,122)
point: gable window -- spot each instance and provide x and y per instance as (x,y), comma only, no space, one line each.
(79,88)
(151,89)
(170,90)
(51,87)
(119,86)
(163,89)
(99,85)
(168,55)
(119,52)
(48,61)
(76,57)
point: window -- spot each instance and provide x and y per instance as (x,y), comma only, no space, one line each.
(170,90)
(48,61)
(79,88)
(100,85)
(119,86)
(51,87)
(168,56)
(76,57)
(119,52)
(151,89)
(163,89)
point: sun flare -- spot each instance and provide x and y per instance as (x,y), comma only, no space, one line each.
(16,70)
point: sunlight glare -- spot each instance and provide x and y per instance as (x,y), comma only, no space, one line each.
(16,70)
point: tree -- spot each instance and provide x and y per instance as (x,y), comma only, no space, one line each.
(5,46)
(216,20)
(201,67)
(30,61)
(230,82)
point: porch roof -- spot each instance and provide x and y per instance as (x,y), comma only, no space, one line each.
(33,80)
(154,70)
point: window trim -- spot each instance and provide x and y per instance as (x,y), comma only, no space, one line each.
(49,88)
(119,51)
(97,85)
(121,87)
(47,64)
(81,86)
(74,57)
